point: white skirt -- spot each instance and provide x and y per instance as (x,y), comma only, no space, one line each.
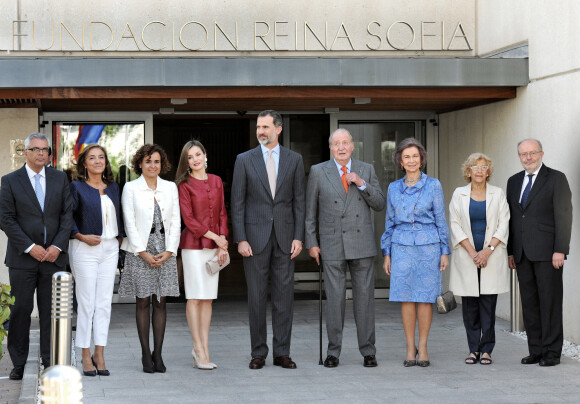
(198,283)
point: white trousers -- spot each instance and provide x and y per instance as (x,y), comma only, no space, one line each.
(94,271)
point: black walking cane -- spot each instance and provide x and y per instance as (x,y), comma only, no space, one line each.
(320,308)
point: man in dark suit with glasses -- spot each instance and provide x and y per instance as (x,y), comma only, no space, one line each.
(36,215)
(540,204)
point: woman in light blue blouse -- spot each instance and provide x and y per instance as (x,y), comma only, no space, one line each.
(415,245)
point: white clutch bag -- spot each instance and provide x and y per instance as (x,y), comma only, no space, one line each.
(213,267)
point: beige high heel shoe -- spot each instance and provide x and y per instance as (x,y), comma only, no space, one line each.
(202,366)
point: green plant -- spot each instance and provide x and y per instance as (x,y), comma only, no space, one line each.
(6,300)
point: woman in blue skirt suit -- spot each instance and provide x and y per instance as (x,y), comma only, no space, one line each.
(415,245)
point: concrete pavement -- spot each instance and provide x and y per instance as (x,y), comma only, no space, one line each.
(447,380)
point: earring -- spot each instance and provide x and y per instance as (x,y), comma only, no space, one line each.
(206,162)
(189,170)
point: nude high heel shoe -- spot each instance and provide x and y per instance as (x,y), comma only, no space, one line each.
(207,366)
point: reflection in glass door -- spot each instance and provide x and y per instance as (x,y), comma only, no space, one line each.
(375,143)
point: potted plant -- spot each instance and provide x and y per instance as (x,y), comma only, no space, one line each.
(6,300)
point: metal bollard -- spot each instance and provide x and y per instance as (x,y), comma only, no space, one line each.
(516,319)
(61,319)
(61,385)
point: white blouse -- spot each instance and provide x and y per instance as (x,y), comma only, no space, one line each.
(109,216)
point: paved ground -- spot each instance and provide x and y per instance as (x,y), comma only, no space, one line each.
(9,389)
(447,380)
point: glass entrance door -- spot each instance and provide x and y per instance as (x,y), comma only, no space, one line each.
(375,143)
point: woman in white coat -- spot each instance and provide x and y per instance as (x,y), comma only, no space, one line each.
(479,224)
(153,228)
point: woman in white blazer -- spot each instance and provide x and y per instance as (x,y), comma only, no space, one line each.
(153,228)
(479,224)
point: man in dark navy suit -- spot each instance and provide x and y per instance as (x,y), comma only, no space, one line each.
(540,204)
(36,215)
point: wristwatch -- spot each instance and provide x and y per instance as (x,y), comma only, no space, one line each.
(492,248)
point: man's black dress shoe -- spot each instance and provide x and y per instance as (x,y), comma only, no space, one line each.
(331,361)
(370,361)
(17,373)
(549,361)
(285,361)
(531,359)
(257,362)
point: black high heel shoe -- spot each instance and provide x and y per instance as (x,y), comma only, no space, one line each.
(148,368)
(412,362)
(158,365)
(100,372)
(90,373)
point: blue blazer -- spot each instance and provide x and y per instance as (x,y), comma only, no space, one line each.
(87,208)
(415,215)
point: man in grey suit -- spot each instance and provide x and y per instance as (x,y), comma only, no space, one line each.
(267,210)
(343,191)
(36,215)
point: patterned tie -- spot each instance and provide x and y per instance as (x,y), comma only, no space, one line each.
(271,170)
(343,178)
(527,191)
(38,191)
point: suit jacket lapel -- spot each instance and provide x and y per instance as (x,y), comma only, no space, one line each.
(357,168)
(283,166)
(538,183)
(50,193)
(334,179)
(27,186)
(518,190)
(260,168)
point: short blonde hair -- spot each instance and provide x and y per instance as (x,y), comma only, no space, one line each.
(471,161)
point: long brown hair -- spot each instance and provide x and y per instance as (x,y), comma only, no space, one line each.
(183,169)
(81,170)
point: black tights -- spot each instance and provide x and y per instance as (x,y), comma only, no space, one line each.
(158,321)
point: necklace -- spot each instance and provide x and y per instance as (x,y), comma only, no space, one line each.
(412,182)
(97,186)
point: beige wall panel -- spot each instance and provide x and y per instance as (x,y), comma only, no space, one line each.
(550,27)
(15,123)
(546,110)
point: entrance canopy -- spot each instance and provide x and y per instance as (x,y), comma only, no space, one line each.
(253,84)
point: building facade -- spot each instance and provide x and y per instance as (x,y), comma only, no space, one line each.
(460,76)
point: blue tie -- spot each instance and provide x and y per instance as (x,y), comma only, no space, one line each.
(40,196)
(38,191)
(527,191)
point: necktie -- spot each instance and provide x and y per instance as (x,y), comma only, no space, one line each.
(40,196)
(271,170)
(527,191)
(38,191)
(343,178)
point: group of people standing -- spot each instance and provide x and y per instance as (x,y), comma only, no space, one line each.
(528,230)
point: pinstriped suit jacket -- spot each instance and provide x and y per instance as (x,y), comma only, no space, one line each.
(255,214)
(344,221)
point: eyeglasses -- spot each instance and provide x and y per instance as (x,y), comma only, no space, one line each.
(529,154)
(479,168)
(39,149)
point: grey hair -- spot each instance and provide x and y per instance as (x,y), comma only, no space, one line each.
(533,140)
(276,117)
(35,135)
(337,131)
